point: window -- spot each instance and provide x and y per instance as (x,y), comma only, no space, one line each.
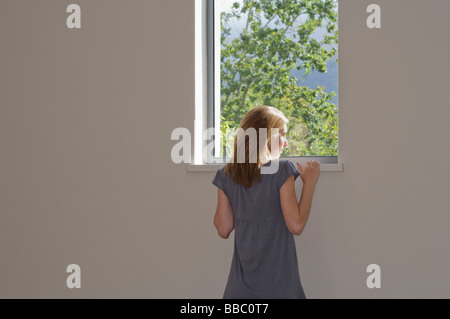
(281,53)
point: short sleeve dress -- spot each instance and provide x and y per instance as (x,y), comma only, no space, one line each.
(264,264)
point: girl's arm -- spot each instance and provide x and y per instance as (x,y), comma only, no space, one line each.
(224,217)
(296,215)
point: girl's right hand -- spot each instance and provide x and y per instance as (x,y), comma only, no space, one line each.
(310,172)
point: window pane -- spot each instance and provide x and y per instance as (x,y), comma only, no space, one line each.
(281,53)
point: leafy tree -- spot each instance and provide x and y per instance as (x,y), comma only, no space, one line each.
(256,68)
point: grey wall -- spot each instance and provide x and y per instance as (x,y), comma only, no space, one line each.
(86,175)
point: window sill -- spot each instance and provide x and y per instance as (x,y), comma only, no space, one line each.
(338,167)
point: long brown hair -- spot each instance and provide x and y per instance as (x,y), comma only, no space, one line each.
(268,117)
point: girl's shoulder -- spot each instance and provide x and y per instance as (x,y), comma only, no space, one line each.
(285,162)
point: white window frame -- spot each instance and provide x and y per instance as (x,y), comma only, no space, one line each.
(207,92)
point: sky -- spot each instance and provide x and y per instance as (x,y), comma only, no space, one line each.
(225,4)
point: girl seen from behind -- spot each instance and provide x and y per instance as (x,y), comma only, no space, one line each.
(263,211)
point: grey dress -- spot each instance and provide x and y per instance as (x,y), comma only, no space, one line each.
(264,264)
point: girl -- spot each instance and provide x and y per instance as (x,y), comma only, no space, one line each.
(263,211)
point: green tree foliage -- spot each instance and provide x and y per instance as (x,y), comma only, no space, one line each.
(256,68)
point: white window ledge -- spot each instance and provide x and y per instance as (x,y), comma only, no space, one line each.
(339,167)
